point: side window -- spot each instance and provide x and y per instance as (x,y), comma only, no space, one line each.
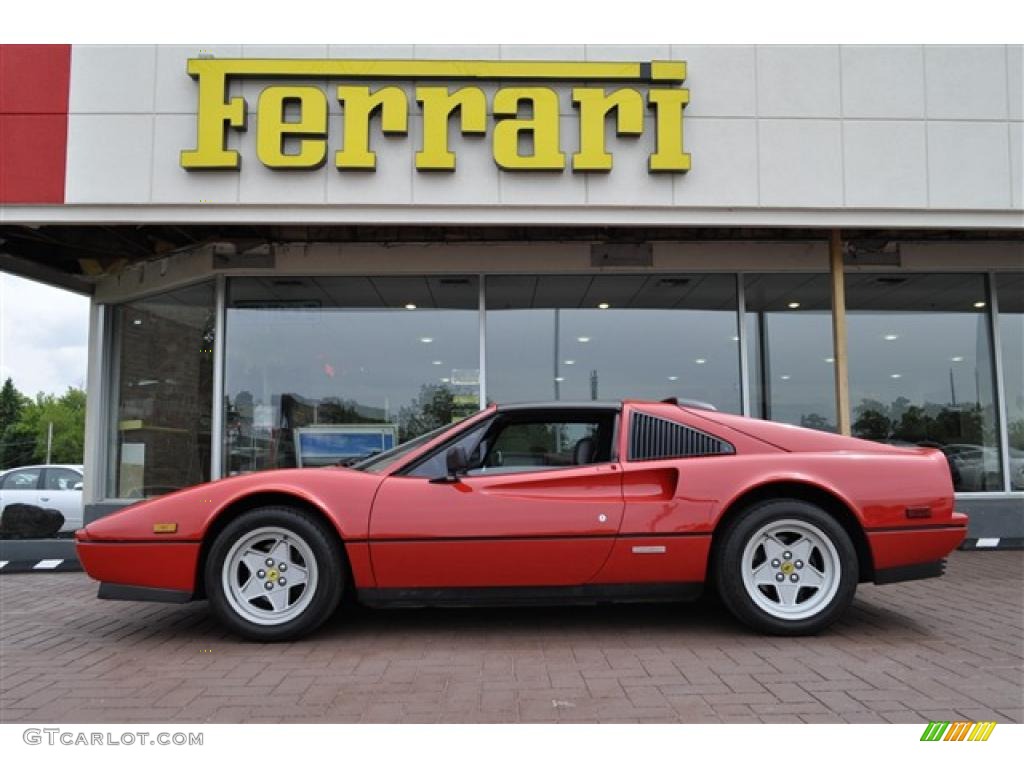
(21,480)
(59,479)
(524,445)
(653,438)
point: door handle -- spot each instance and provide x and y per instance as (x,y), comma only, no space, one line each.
(44,498)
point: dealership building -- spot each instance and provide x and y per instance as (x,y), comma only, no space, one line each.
(298,255)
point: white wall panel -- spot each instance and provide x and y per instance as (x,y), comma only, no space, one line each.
(1015,80)
(798,81)
(883,81)
(629,183)
(175,88)
(565,188)
(721,79)
(885,163)
(109,158)
(390,183)
(171,182)
(1017,164)
(966,82)
(724,158)
(112,79)
(473,161)
(800,163)
(968,165)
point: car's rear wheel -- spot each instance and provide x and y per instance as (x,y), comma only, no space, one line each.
(786,567)
(275,573)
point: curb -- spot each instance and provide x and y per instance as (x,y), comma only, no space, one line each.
(992,543)
(50,565)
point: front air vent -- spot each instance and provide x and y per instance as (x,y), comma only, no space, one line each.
(654,438)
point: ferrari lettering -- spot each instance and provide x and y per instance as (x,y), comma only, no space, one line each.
(294,127)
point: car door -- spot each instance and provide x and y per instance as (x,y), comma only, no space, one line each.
(20,486)
(59,492)
(532,511)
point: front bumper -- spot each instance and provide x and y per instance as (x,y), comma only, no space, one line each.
(169,565)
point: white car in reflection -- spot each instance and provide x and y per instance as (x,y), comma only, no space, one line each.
(51,486)
(980,467)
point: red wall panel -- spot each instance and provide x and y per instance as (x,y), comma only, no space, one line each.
(34,83)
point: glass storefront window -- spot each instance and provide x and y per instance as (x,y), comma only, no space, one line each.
(921,369)
(163,396)
(327,370)
(605,337)
(789,349)
(1010,292)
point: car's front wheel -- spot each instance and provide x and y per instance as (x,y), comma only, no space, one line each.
(786,567)
(274,573)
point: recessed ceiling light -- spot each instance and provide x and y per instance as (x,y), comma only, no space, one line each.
(570,362)
(559,378)
(435,362)
(700,361)
(956,359)
(582,339)
(603,305)
(673,378)
(891,336)
(979,305)
(794,305)
(426,339)
(136,322)
(785,377)
(830,359)
(895,375)
(410,306)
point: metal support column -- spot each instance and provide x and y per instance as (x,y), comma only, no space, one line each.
(835,253)
(217,417)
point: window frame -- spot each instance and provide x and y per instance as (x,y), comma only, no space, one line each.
(511,415)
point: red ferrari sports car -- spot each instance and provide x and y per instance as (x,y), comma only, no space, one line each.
(556,502)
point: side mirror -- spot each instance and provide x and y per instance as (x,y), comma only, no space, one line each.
(77,486)
(456,462)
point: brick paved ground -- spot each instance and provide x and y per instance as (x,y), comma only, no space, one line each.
(942,649)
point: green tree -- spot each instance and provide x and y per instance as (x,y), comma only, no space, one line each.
(24,441)
(17,441)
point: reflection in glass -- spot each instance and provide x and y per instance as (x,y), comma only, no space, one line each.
(606,337)
(921,369)
(789,349)
(164,393)
(1010,291)
(325,370)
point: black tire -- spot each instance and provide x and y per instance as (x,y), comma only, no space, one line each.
(729,568)
(326,550)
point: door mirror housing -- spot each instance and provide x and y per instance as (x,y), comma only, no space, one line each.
(77,486)
(456,462)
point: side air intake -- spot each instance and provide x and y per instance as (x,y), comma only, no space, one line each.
(654,438)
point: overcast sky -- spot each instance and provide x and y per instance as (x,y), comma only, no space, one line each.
(44,335)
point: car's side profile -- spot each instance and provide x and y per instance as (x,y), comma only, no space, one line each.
(52,486)
(554,502)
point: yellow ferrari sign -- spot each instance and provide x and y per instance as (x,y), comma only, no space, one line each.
(293,121)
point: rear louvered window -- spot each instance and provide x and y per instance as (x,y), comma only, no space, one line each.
(654,438)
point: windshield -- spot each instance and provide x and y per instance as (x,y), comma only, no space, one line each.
(381,461)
